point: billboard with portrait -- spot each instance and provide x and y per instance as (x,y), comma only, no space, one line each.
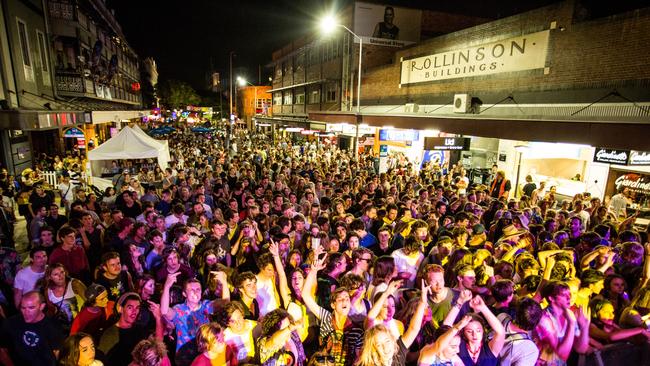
(387,25)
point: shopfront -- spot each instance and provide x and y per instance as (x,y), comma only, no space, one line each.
(567,167)
(627,169)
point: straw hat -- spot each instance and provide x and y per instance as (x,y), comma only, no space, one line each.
(511,231)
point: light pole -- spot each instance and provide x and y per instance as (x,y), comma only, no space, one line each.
(327,26)
(229,122)
(242,83)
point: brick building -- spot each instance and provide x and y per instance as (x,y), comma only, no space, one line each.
(589,85)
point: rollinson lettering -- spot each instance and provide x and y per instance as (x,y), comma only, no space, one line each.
(513,54)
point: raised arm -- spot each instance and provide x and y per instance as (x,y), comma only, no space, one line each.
(165,310)
(376,307)
(496,343)
(427,354)
(285,292)
(415,324)
(463,297)
(160,328)
(310,282)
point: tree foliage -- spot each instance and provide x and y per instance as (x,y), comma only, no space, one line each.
(178,94)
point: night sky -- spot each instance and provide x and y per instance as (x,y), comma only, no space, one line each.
(185,37)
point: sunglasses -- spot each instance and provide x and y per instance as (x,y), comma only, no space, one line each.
(323,359)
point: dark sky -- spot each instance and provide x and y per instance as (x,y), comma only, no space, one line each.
(185,36)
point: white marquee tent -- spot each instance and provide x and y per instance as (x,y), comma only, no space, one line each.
(132,143)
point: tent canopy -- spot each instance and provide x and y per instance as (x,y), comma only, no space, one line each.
(132,143)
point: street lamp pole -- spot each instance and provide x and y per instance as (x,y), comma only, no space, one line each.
(228,122)
(356,133)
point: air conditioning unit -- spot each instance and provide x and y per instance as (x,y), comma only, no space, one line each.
(411,108)
(462,103)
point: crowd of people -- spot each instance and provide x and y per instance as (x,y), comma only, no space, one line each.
(251,252)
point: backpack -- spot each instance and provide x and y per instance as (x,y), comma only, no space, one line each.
(505,356)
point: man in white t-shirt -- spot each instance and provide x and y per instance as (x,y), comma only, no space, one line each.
(27,277)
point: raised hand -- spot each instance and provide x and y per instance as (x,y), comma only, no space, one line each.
(463,322)
(155,309)
(584,317)
(477,303)
(319,263)
(393,286)
(220,276)
(464,297)
(171,279)
(274,249)
(424,293)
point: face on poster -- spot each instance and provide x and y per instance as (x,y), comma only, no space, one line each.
(387,25)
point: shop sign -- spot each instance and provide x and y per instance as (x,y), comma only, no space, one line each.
(635,182)
(73,132)
(383,151)
(398,135)
(525,52)
(446,143)
(639,157)
(607,156)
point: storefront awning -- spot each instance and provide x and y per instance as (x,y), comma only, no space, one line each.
(41,120)
(99,117)
(611,134)
(296,85)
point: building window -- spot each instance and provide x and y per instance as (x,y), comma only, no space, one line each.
(288,97)
(277,98)
(42,50)
(314,96)
(24,48)
(331,92)
(300,96)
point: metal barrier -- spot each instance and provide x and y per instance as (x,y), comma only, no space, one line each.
(617,354)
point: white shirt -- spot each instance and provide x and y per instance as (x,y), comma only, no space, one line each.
(242,344)
(267,295)
(172,219)
(26,279)
(408,264)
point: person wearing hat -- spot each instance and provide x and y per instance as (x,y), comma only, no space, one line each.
(94,317)
(479,236)
(511,233)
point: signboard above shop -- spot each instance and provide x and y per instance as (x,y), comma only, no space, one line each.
(639,157)
(398,135)
(617,157)
(526,52)
(446,143)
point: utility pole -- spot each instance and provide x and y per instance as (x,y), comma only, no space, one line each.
(229,121)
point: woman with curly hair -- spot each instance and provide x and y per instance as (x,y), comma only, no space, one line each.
(78,350)
(150,352)
(280,343)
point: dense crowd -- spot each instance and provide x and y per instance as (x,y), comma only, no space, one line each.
(299,254)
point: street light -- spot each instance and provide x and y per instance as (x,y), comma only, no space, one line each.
(242,83)
(327,25)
